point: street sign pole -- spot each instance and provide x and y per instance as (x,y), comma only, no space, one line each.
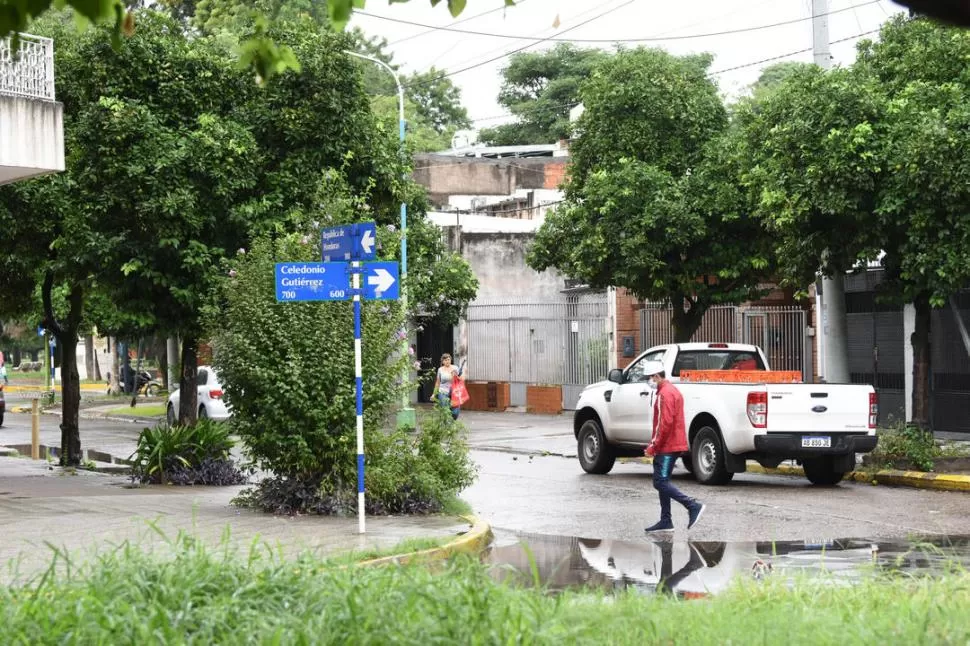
(328,281)
(359,383)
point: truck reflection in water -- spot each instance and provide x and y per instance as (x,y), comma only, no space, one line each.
(692,569)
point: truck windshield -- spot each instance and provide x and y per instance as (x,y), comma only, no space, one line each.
(717,360)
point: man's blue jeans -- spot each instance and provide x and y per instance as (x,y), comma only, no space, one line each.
(662,466)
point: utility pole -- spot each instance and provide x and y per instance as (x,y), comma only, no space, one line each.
(834,325)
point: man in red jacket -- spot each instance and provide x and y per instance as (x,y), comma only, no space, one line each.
(668,441)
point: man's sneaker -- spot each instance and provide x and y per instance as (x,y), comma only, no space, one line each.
(694,513)
(661,526)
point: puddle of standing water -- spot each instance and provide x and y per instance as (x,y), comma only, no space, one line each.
(701,568)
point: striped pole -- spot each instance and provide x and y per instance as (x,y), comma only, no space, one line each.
(359,383)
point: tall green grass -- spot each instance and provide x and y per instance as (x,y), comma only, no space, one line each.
(195,595)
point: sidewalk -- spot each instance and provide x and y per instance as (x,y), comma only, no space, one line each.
(90,512)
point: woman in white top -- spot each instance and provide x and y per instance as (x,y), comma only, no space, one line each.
(443,382)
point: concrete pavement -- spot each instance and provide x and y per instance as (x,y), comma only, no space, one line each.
(43,507)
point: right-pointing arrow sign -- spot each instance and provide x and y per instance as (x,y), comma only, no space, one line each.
(382,281)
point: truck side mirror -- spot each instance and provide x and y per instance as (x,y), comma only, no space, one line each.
(616,376)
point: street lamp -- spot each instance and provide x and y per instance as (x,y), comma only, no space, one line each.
(405,416)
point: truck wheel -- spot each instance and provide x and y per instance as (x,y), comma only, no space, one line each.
(708,452)
(688,463)
(595,453)
(821,472)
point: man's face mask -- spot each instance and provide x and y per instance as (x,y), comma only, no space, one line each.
(652,383)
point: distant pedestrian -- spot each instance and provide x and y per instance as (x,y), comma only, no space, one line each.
(668,442)
(445,379)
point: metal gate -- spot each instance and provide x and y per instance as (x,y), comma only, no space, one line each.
(563,343)
(780,331)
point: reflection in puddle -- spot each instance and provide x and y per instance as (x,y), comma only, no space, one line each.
(700,568)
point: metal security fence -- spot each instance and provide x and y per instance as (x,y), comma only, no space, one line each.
(950,357)
(780,331)
(563,343)
(876,344)
(30,72)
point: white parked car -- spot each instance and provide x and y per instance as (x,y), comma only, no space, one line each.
(211,404)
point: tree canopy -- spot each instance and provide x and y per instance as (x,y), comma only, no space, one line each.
(651,200)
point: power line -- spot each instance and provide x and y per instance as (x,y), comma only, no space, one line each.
(800,51)
(714,73)
(727,32)
(434,29)
(524,47)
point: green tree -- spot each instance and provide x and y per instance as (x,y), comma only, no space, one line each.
(652,202)
(539,89)
(814,163)
(155,162)
(924,202)
(774,75)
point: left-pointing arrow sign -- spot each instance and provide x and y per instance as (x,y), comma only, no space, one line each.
(367,242)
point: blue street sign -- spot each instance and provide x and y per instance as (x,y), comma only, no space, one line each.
(330,281)
(349,242)
(381,281)
(312,281)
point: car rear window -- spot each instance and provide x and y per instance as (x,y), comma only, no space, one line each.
(717,360)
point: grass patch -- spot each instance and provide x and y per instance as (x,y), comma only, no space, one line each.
(404,547)
(194,595)
(155,410)
(457,507)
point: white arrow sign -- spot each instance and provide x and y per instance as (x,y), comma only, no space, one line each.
(367,242)
(381,279)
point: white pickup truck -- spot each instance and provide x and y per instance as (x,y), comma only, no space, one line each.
(822,426)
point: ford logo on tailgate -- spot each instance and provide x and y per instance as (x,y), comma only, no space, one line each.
(819,409)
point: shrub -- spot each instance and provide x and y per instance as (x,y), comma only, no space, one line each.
(288,373)
(186,455)
(908,442)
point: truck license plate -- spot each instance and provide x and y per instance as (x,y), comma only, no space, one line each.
(816,442)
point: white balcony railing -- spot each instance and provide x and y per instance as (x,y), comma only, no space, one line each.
(30,72)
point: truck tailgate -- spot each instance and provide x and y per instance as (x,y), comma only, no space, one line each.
(810,408)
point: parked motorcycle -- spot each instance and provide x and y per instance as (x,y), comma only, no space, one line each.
(147,385)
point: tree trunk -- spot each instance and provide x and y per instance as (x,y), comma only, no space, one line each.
(685,322)
(67,338)
(17,356)
(115,386)
(920,341)
(163,367)
(97,367)
(189,395)
(89,358)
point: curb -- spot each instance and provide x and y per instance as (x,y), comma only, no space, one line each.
(916,479)
(474,541)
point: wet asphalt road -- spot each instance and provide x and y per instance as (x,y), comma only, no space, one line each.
(531,482)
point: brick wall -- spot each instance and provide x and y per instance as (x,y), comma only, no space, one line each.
(487,396)
(627,324)
(555,173)
(543,399)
